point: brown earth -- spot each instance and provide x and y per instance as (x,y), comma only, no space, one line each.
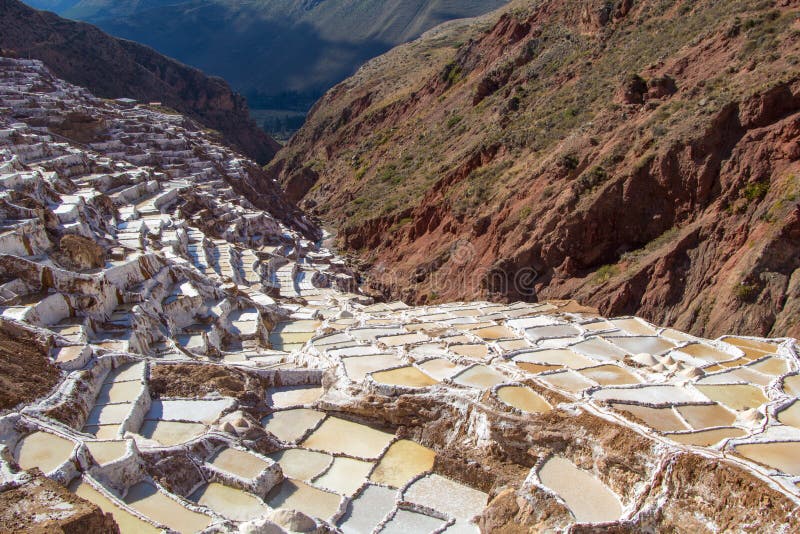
(80,253)
(640,156)
(116,68)
(26,372)
(44,506)
(188,380)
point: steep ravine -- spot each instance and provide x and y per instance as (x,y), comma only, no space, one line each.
(638,156)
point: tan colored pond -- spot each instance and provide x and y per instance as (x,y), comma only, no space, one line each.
(735,396)
(344,476)
(289,341)
(513,344)
(102,431)
(791,415)
(752,348)
(535,368)
(240,463)
(43,450)
(301,464)
(119,392)
(147,500)
(291,425)
(706,416)
(561,357)
(169,433)
(105,452)
(403,461)
(707,438)
(783,456)
(568,380)
(229,502)
(659,419)
(479,376)
(404,376)
(610,375)
(791,385)
(296,495)
(358,367)
(440,368)
(472,350)
(771,366)
(284,397)
(634,326)
(493,332)
(127,522)
(586,496)
(402,339)
(523,398)
(706,353)
(340,436)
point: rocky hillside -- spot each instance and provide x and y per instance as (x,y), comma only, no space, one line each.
(638,155)
(279,53)
(115,68)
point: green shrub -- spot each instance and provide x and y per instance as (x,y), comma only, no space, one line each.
(746,292)
(755,191)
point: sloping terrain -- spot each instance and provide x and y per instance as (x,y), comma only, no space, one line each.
(116,68)
(640,156)
(279,53)
(218,372)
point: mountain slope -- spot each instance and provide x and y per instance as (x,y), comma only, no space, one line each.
(639,156)
(279,53)
(114,68)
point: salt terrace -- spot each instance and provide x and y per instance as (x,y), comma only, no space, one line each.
(219,368)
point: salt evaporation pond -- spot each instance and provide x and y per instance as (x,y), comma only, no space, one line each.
(105,452)
(126,521)
(523,398)
(783,455)
(291,425)
(229,502)
(345,475)
(408,376)
(284,397)
(302,464)
(368,509)
(239,463)
(586,496)
(340,436)
(43,450)
(403,461)
(147,500)
(297,495)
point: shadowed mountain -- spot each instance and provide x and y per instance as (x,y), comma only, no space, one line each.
(279,53)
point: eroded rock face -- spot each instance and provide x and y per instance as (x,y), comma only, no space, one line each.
(218,371)
(574,144)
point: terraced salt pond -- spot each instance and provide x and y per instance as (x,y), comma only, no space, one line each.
(240,463)
(402,462)
(302,464)
(479,376)
(229,502)
(126,521)
(296,495)
(147,500)
(587,497)
(783,456)
(291,425)
(285,397)
(523,398)
(340,436)
(345,475)
(404,376)
(43,450)
(107,451)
